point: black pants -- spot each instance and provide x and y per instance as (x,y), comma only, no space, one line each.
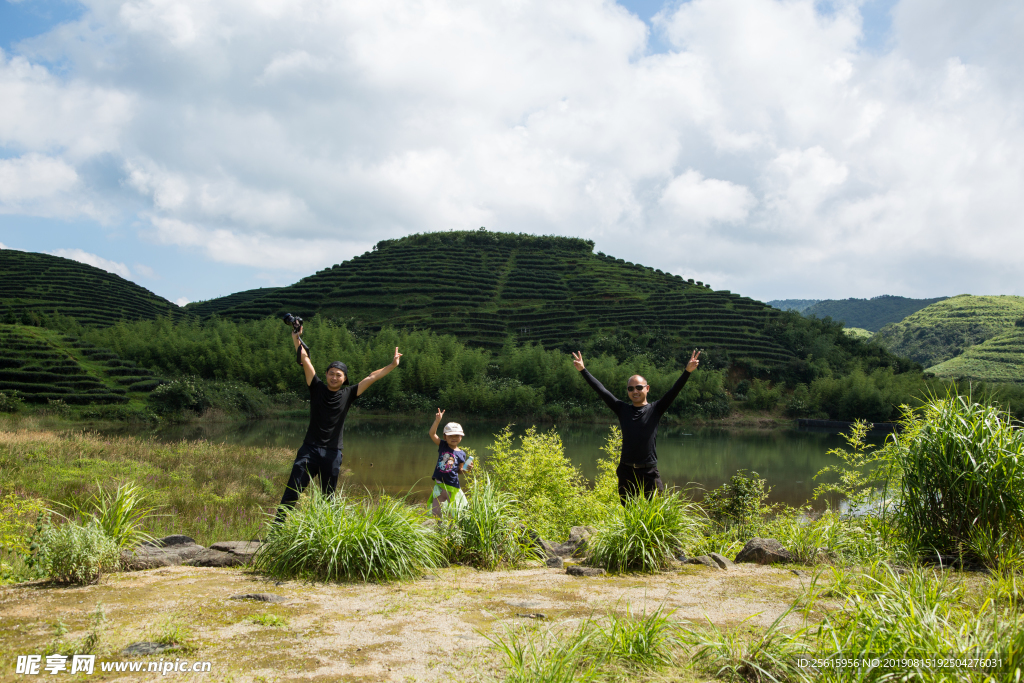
(310,461)
(635,480)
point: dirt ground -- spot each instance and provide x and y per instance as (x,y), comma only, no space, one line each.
(429,630)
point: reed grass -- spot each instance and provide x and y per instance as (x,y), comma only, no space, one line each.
(959,477)
(339,538)
(487,532)
(645,534)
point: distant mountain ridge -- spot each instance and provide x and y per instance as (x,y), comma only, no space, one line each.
(798,305)
(870,314)
(41,284)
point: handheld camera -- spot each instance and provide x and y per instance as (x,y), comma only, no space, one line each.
(296,323)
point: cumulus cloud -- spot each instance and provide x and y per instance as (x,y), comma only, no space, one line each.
(181,301)
(764,151)
(94,260)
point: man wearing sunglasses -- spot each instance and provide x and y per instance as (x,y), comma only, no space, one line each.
(638,464)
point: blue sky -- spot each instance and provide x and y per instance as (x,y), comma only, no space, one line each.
(778,149)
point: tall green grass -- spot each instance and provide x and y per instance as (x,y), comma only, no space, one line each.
(487,532)
(339,538)
(119,513)
(958,475)
(644,534)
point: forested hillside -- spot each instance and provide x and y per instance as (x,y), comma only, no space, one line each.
(205,309)
(946,329)
(798,305)
(869,314)
(33,286)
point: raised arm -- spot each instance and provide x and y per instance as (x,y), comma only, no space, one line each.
(433,428)
(606,396)
(377,374)
(307,364)
(665,401)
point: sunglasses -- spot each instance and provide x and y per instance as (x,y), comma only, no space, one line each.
(638,387)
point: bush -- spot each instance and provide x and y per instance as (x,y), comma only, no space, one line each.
(76,553)
(119,514)
(739,502)
(762,396)
(958,473)
(10,401)
(646,533)
(196,395)
(554,494)
(485,533)
(342,539)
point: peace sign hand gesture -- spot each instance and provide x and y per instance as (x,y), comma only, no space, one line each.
(694,361)
(440,414)
(577,360)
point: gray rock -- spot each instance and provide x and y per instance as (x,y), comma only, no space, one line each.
(545,548)
(577,570)
(576,545)
(682,557)
(260,597)
(226,554)
(145,648)
(164,552)
(703,560)
(532,615)
(721,561)
(764,551)
(555,562)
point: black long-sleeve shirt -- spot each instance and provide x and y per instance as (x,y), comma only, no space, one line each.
(639,425)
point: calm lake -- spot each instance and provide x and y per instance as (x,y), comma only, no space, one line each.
(398,456)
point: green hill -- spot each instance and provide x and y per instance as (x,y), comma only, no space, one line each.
(948,328)
(798,305)
(40,284)
(869,314)
(999,359)
(205,309)
(41,364)
(484,286)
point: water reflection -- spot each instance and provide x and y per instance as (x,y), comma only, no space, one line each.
(397,456)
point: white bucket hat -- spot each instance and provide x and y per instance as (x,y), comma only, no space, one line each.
(453,428)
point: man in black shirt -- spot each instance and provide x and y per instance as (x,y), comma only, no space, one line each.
(638,463)
(321,450)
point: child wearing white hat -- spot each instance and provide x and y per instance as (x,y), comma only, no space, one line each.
(450,463)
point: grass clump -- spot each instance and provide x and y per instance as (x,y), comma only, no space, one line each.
(646,533)
(76,553)
(485,533)
(268,620)
(339,538)
(120,514)
(618,647)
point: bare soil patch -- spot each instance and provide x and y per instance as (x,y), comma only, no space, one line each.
(427,630)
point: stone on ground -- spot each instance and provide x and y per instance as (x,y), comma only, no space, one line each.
(164,552)
(764,551)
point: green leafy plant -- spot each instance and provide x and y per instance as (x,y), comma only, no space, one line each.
(739,502)
(554,495)
(269,620)
(344,539)
(119,513)
(646,533)
(644,640)
(77,553)
(485,533)
(10,401)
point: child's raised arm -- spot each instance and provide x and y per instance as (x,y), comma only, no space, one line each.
(433,428)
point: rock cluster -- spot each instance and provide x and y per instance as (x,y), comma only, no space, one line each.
(182,550)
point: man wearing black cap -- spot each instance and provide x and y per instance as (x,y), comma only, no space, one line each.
(320,453)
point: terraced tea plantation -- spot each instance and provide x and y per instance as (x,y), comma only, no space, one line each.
(42,365)
(948,328)
(483,286)
(999,359)
(42,284)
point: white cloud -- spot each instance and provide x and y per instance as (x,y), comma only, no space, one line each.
(146,271)
(94,260)
(181,301)
(765,152)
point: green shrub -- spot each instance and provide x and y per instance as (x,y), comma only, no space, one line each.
(10,401)
(646,533)
(77,553)
(957,473)
(762,396)
(739,502)
(120,514)
(554,495)
(485,533)
(196,395)
(343,539)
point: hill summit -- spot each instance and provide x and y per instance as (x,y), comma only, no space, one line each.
(486,287)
